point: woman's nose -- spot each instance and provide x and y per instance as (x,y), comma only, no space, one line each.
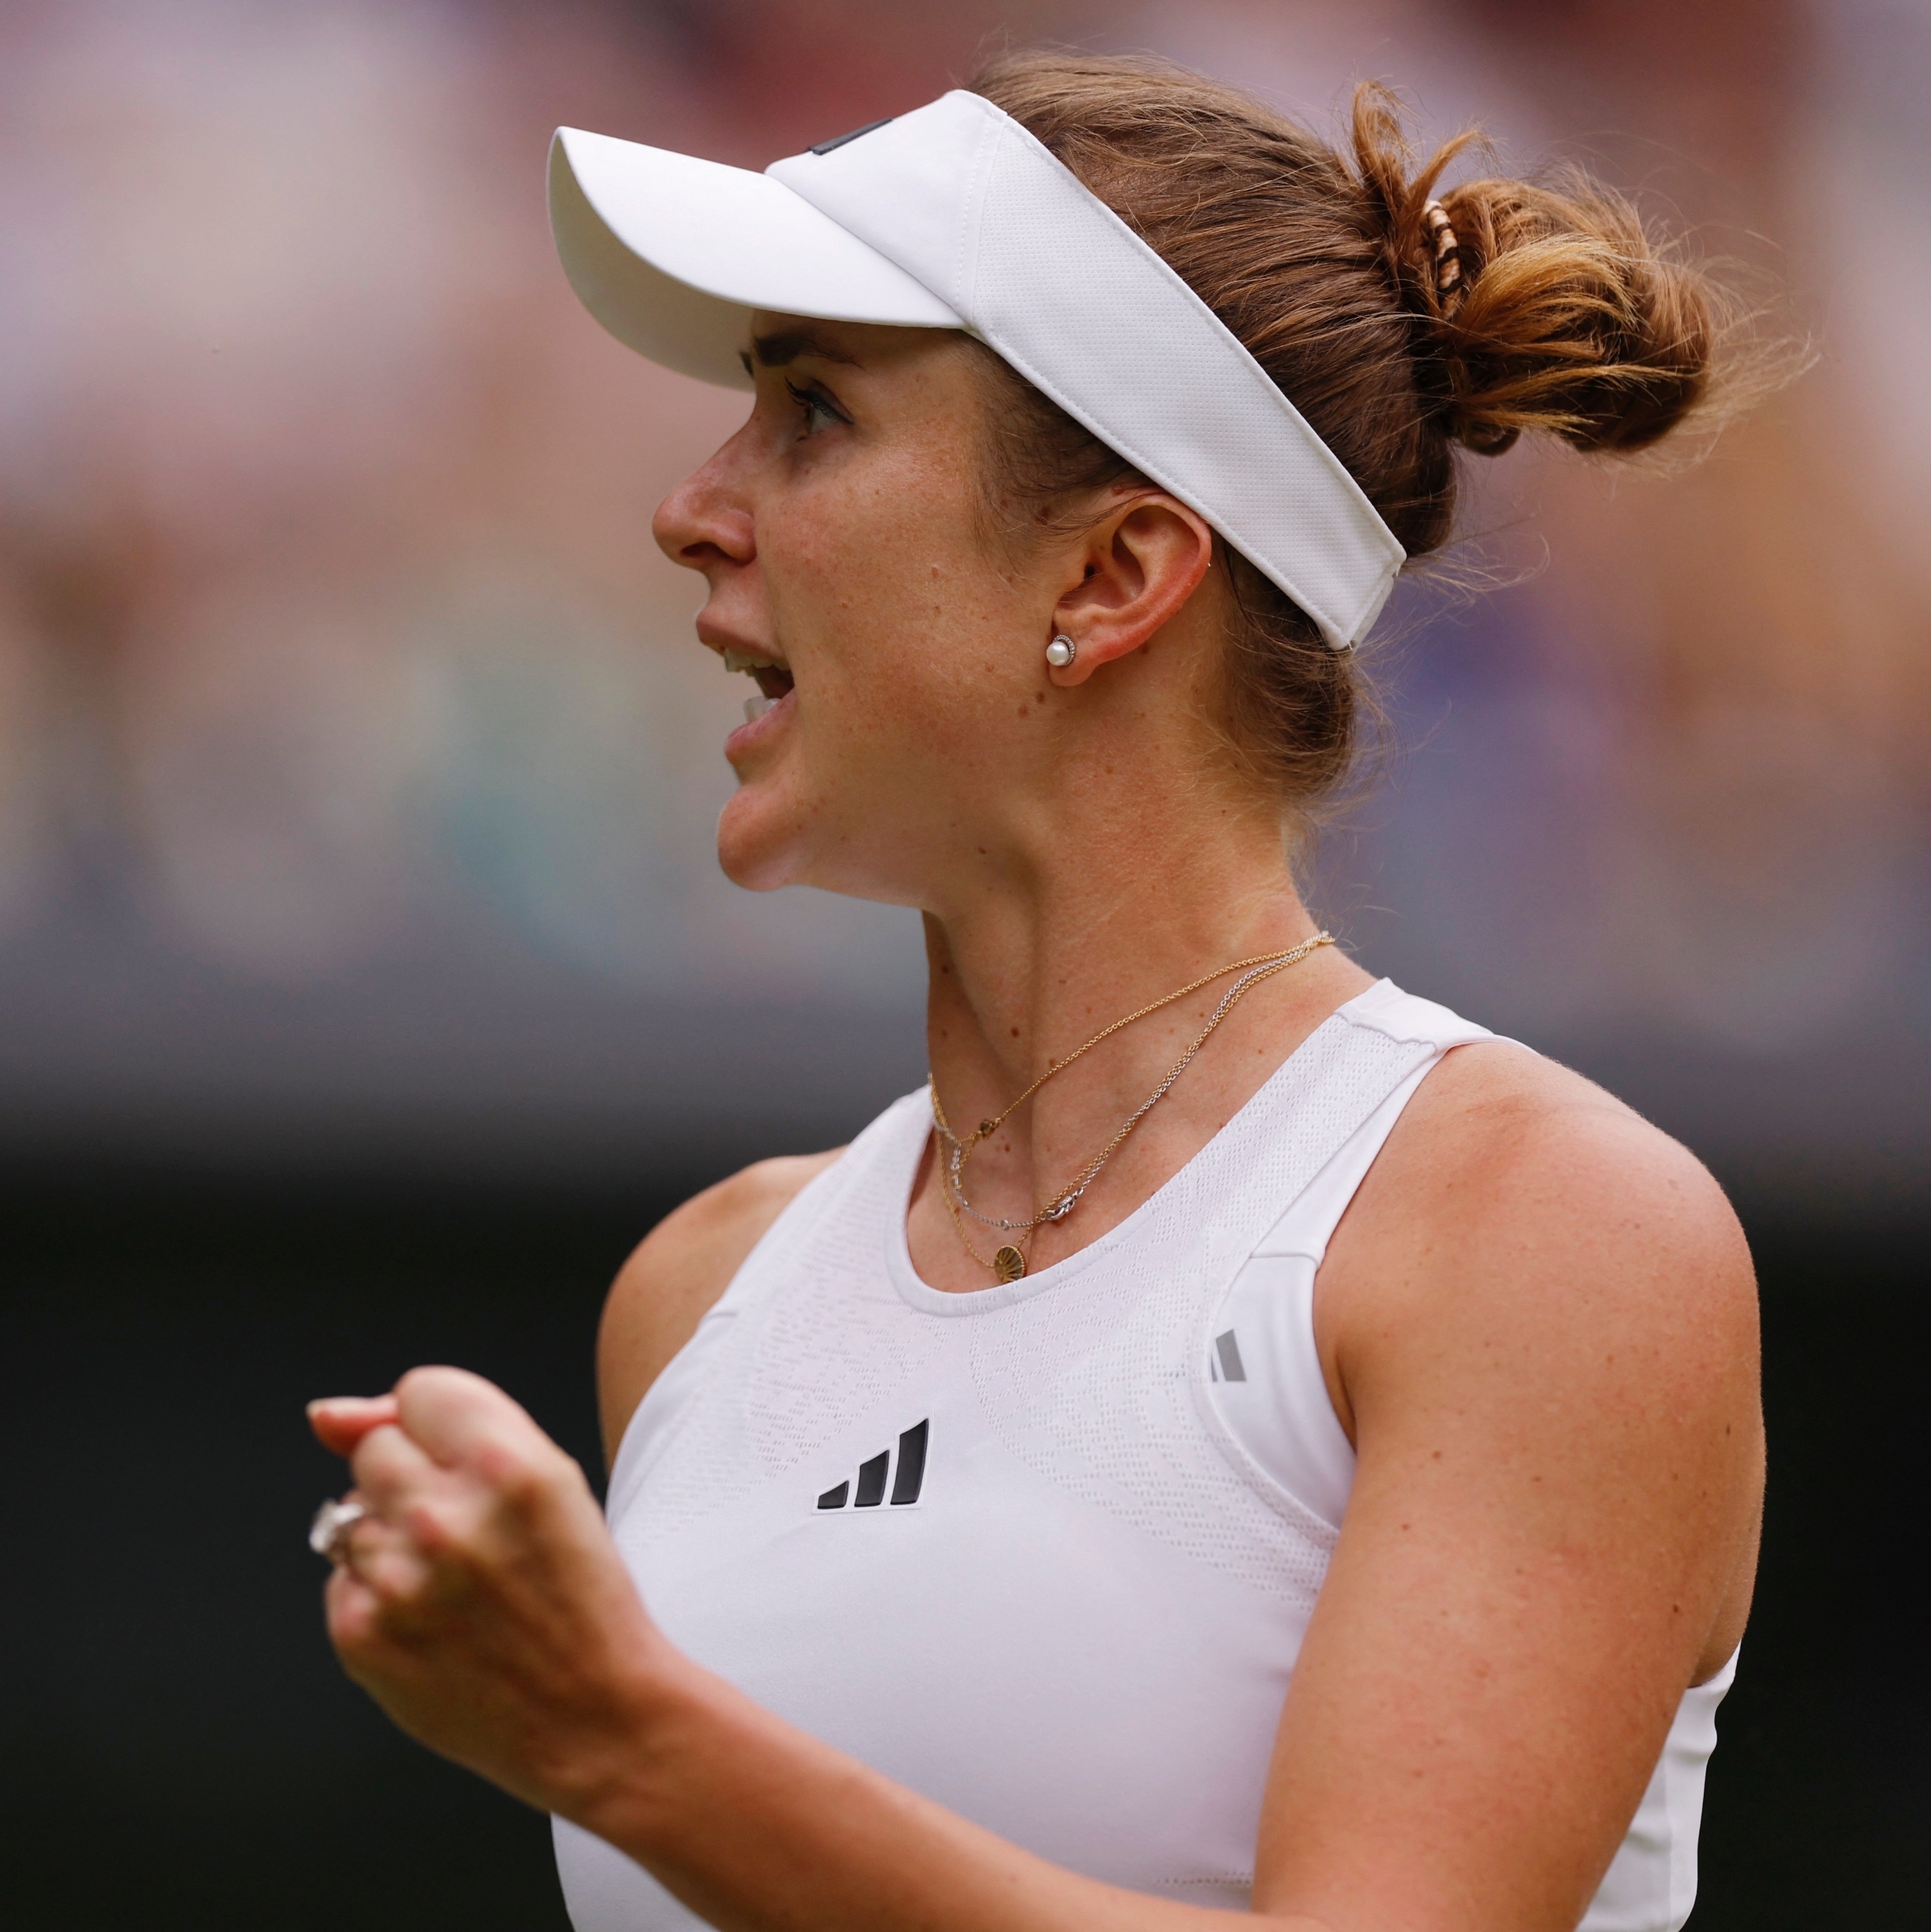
(701,524)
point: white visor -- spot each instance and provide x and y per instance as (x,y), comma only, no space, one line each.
(954,216)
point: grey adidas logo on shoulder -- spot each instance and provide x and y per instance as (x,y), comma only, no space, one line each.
(1225,1364)
(907,1479)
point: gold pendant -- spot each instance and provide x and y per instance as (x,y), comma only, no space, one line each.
(1008,1264)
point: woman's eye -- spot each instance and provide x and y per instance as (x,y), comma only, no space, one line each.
(818,408)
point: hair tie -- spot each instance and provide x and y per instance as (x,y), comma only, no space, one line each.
(1447,255)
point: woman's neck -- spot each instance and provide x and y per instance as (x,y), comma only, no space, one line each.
(1096,921)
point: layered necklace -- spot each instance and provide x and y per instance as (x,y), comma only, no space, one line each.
(1007,1262)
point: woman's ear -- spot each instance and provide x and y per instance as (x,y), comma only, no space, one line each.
(1139,565)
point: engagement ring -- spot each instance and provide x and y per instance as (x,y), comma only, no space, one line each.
(328,1534)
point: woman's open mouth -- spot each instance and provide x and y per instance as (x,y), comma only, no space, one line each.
(776,697)
(774,679)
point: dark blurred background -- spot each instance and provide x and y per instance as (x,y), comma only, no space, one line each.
(367,988)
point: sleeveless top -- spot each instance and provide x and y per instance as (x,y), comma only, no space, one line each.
(1045,1552)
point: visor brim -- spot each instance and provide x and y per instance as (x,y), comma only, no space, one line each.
(671,254)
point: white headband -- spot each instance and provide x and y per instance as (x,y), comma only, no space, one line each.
(954,216)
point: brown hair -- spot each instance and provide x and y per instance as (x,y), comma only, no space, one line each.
(1569,319)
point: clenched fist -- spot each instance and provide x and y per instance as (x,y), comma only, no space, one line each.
(481,1602)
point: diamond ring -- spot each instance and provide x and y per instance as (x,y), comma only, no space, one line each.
(328,1534)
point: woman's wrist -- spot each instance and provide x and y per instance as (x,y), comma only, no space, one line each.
(625,1786)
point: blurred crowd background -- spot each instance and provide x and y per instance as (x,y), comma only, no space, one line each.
(357,763)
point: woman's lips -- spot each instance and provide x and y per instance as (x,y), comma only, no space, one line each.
(762,716)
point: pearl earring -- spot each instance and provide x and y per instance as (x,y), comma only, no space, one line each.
(1061,651)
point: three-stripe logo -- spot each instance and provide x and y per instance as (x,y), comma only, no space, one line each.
(906,1483)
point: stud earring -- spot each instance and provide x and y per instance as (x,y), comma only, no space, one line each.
(1061,651)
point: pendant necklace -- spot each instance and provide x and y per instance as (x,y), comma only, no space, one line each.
(1008,1261)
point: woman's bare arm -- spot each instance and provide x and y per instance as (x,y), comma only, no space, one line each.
(1542,1319)
(676,1274)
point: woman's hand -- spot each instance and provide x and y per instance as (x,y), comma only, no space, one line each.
(482,1603)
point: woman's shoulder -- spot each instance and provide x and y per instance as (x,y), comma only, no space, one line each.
(1516,1195)
(676,1274)
(1499,1124)
(1501,1145)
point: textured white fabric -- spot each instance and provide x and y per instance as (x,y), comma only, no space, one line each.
(961,199)
(672,254)
(1078,1632)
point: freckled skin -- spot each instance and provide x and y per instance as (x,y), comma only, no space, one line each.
(893,699)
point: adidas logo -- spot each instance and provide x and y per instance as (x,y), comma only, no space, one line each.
(873,1473)
(1225,1364)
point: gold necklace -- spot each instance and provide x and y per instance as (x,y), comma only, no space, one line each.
(1008,1262)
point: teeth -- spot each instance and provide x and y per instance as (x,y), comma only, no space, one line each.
(748,661)
(755,708)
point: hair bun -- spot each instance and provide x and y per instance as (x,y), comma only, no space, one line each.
(1566,316)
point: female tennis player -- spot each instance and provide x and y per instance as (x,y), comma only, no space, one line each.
(1243,1438)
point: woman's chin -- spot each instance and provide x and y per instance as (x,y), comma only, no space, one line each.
(758,846)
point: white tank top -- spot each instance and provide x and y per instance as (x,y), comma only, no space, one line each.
(1045,1552)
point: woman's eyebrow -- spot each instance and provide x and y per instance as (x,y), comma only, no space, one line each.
(784,346)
